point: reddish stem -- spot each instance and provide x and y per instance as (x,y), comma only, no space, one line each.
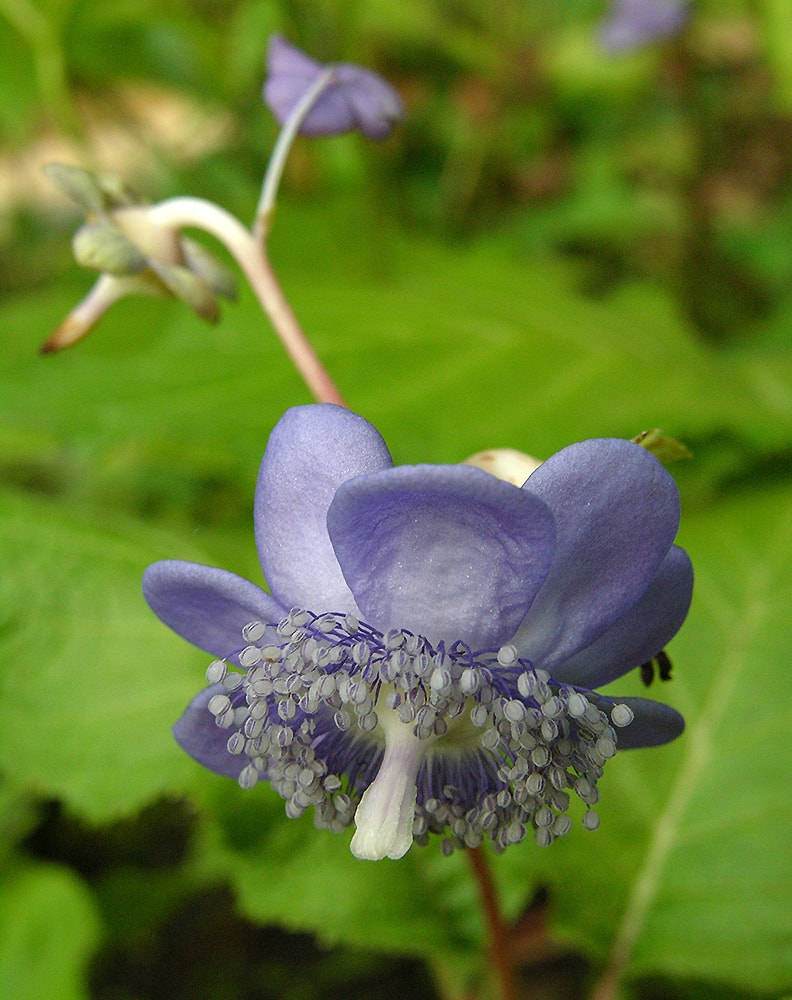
(178,213)
(498,932)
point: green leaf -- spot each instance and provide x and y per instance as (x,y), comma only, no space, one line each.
(91,682)
(48,929)
(466,352)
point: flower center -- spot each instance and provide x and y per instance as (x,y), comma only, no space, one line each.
(407,738)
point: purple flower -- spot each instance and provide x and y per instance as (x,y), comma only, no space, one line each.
(633,23)
(425,661)
(354,99)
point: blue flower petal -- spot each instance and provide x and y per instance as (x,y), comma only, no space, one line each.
(311,452)
(653,724)
(208,607)
(356,98)
(633,23)
(447,552)
(198,734)
(616,511)
(374,105)
(641,633)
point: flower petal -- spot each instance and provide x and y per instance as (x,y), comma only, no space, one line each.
(653,725)
(311,452)
(331,115)
(285,60)
(355,98)
(639,634)
(198,734)
(616,511)
(208,607)
(633,23)
(374,105)
(448,552)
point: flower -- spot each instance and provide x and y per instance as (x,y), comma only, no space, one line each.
(426,659)
(633,23)
(354,98)
(135,254)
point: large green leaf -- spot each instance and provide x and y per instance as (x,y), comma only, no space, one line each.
(720,856)
(91,682)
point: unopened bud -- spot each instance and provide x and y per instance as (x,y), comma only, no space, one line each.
(505,463)
(103,247)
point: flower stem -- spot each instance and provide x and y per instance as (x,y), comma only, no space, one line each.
(498,932)
(607,986)
(181,212)
(269,189)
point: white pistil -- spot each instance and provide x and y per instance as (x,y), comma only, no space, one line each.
(385,816)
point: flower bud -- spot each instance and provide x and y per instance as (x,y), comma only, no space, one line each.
(505,463)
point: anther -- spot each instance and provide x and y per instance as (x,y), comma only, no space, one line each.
(621,715)
(216,671)
(590,820)
(253,631)
(328,675)
(507,655)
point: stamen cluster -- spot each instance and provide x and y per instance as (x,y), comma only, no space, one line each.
(505,744)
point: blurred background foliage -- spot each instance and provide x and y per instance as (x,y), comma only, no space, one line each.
(557,243)
(670,163)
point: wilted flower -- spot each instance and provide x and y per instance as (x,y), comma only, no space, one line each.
(135,254)
(354,98)
(425,661)
(633,23)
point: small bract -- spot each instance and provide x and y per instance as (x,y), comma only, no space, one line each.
(426,660)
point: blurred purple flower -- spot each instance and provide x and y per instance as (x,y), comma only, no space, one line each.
(633,23)
(425,661)
(354,99)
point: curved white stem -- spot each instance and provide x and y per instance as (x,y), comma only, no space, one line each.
(277,161)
